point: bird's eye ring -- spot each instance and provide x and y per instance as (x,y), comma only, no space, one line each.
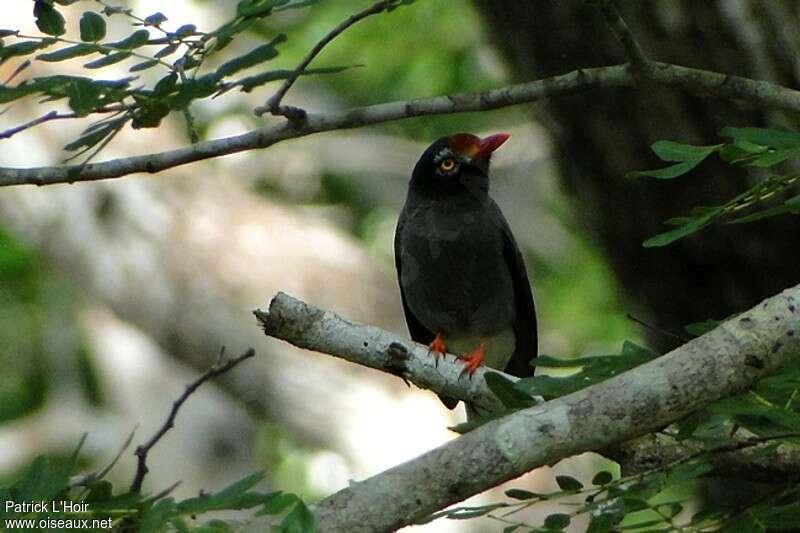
(447,165)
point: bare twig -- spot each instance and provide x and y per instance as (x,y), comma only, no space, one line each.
(636,56)
(142,450)
(701,82)
(273,105)
(48,117)
(657,329)
(52,115)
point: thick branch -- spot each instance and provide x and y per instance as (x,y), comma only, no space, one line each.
(308,327)
(701,82)
(311,328)
(635,403)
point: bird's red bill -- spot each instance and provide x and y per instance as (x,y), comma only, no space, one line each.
(489,144)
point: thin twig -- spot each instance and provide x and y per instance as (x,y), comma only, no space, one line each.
(636,56)
(22,66)
(52,115)
(658,329)
(273,105)
(143,449)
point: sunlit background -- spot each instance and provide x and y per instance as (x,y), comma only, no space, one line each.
(114,295)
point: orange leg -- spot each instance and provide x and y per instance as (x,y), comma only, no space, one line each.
(437,347)
(473,359)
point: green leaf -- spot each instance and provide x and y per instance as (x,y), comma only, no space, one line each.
(185,31)
(757,414)
(23,48)
(48,19)
(688,471)
(8,33)
(192,90)
(278,503)
(110,59)
(774,157)
(569,483)
(673,151)
(299,520)
(557,521)
(69,52)
(506,391)
(251,82)
(688,157)
(520,494)
(155,19)
(167,50)
(154,519)
(602,478)
(593,370)
(93,27)
(254,57)
(83,96)
(149,115)
(94,135)
(697,329)
(773,138)
(696,224)
(143,65)
(233,497)
(134,40)
(166,85)
(466,427)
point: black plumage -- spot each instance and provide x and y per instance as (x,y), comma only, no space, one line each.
(460,271)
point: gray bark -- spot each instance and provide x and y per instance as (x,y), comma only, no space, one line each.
(634,403)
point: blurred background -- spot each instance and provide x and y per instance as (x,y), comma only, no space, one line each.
(114,295)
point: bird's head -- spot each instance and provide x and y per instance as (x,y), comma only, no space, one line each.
(455,164)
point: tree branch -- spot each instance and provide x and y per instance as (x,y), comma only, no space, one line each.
(634,403)
(308,327)
(142,450)
(700,82)
(636,56)
(273,105)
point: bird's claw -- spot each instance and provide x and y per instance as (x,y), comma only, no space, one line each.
(437,348)
(473,359)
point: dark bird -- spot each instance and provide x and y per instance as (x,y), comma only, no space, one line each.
(462,278)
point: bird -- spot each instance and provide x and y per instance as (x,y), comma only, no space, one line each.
(463,282)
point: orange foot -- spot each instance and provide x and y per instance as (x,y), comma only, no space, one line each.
(473,359)
(437,347)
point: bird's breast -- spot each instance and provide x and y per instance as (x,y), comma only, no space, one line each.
(454,275)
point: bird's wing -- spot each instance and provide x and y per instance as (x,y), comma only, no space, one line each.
(419,333)
(526,339)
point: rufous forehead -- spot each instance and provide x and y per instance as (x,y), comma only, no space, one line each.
(465,144)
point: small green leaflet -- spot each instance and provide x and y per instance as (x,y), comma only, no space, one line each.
(48,19)
(110,59)
(93,27)
(593,369)
(771,138)
(69,52)
(258,55)
(687,157)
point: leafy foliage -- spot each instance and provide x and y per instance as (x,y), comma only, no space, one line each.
(47,480)
(760,420)
(756,148)
(182,53)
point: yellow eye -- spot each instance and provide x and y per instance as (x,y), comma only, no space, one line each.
(447,165)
